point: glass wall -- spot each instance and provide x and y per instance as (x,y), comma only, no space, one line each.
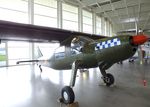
(14,10)
(87,22)
(45,13)
(18,51)
(98,25)
(3,56)
(70,17)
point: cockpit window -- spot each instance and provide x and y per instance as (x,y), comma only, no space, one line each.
(79,42)
(76,46)
(74,51)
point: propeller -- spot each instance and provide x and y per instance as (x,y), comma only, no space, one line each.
(139,39)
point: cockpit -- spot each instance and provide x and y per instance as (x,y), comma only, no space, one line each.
(75,48)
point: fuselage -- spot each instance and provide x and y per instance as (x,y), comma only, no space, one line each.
(107,51)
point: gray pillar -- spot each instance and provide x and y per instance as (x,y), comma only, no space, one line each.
(59,14)
(94,22)
(103,26)
(31,21)
(6,49)
(31,11)
(80,19)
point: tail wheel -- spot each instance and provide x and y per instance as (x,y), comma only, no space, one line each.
(40,68)
(67,95)
(109,79)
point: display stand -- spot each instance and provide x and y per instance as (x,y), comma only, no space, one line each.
(75,104)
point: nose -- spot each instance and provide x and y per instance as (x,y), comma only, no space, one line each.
(139,39)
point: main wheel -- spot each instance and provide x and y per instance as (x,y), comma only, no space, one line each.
(109,79)
(67,95)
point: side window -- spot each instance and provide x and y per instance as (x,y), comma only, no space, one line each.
(60,53)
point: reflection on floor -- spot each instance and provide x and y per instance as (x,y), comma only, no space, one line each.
(23,86)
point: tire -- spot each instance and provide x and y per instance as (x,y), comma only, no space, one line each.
(67,95)
(109,79)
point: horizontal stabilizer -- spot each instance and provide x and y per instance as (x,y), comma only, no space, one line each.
(27,61)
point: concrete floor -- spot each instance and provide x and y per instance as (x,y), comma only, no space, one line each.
(23,86)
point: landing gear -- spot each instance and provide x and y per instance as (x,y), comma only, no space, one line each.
(107,77)
(67,94)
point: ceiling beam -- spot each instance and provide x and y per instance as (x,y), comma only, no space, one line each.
(98,10)
(138,17)
(127,10)
(146,22)
(130,13)
(92,2)
(105,13)
(113,9)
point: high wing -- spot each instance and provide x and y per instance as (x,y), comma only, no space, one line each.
(33,33)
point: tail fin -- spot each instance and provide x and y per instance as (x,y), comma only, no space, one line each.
(38,53)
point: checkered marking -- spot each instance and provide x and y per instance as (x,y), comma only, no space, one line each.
(108,43)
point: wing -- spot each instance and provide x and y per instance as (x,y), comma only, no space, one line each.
(34,33)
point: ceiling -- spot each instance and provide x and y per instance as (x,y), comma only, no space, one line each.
(125,15)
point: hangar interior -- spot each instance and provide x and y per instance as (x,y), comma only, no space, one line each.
(24,86)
